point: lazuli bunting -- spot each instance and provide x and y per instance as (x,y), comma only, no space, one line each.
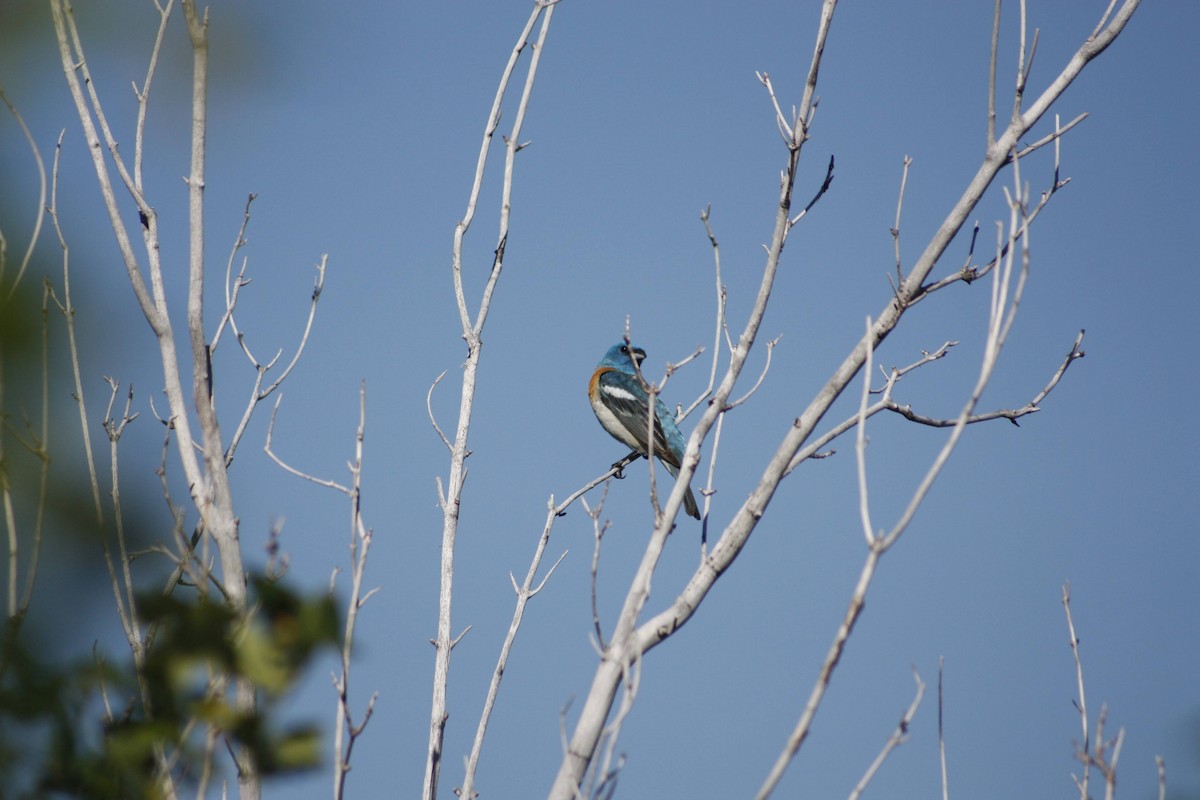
(623,406)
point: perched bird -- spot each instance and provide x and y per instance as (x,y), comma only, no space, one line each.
(622,406)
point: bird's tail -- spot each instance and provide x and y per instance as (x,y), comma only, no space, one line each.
(689,499)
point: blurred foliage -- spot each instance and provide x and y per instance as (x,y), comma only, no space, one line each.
(56,734)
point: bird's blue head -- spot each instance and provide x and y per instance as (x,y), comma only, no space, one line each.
(622,357)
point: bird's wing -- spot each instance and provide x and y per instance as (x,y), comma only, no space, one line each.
(673,452)
(624,396)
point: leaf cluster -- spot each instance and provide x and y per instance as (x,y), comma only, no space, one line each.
(91,728)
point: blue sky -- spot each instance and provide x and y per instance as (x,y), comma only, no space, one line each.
(358,128)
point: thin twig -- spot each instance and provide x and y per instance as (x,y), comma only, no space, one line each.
(896,228)
(234,287)
(770,344)
(525,592)
(429,408)
(1085,744)
(860,443)
(785,125)
(258,392)
(346,732)
(942,732)
(605,774)
(898,737)
(821,190)
(598,532)
(815,448)
(969,274)
(326,482)
(991,106)
(66,308)
(38,218)
(18,598)
(1054,137)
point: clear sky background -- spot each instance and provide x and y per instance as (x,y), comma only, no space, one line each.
(358,126)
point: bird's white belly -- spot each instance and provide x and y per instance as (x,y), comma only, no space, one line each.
(614,426)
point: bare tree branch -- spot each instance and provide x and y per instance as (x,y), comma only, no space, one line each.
(1011,415)
(896,228)
(525,592)
(429,408)
(36,233)
(451,497)
(942,733)
(346,732)
(898,737)
(1084,747)
(36,441)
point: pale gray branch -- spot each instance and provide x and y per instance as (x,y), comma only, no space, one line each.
(451,497)
(896,228)
(39,217)
(525,592)
(898,737)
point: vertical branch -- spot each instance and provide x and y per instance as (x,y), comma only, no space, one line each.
(114,430)
(513,145)
(10,519)
(17,600)
(860,444)
(220,520)
(604,774)
(941,732)
(126,611)
(138,644)
(896,227)
(223,527)
(1096,751)
(66,308)
(991,112)
(42,451)
(489,130)
(143,94)
(152,301)
(472,332)
(346,733)
(1085,743)
(1022,76)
